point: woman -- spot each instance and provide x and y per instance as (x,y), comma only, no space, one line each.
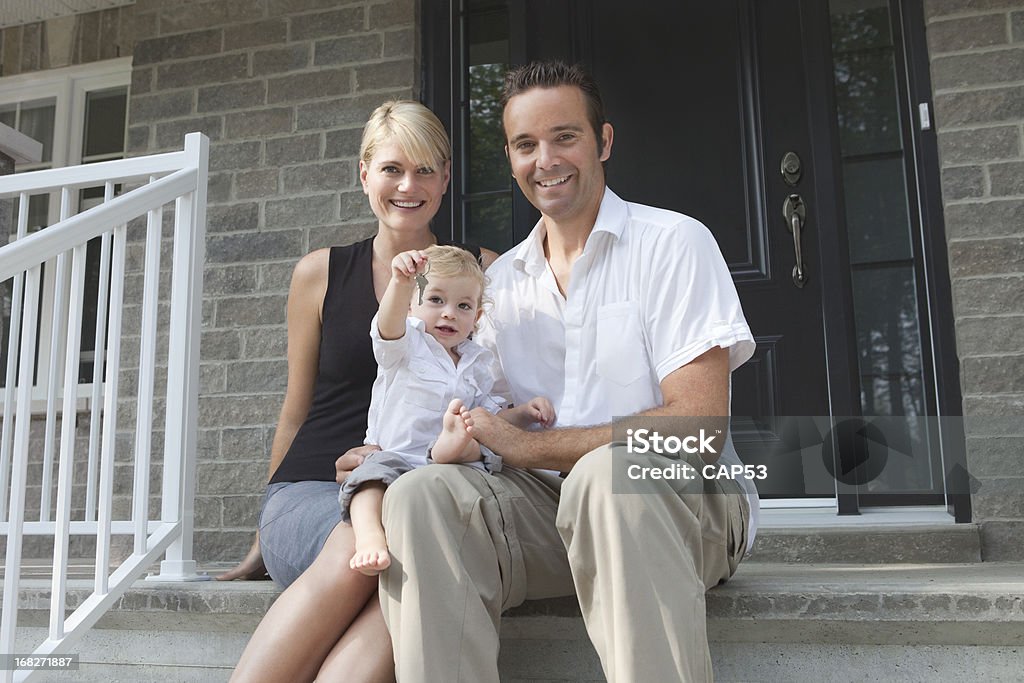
(328,623)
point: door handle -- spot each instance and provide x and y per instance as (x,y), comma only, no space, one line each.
(795,212)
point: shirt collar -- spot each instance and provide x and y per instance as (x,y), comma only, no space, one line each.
(467,349)
(611,218)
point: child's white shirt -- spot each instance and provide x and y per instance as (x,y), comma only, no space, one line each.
(416,380)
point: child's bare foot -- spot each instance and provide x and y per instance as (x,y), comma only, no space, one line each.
(371,556)
(451,443)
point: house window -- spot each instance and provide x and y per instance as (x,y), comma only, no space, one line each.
(79,115)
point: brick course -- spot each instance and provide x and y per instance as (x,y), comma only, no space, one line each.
(977,65)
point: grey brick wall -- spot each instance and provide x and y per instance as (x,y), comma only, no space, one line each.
(282,88)
(66,41)
(977,63)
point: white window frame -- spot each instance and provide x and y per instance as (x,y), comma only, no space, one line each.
(69,87)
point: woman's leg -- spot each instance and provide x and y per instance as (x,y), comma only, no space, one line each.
(363,655)
(306,622)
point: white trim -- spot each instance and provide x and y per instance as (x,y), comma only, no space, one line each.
(803,503)
(783,518)
(12,86)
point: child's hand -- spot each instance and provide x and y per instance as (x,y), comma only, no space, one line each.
(540,410)
(405,266)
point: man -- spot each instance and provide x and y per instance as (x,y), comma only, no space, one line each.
(608,309)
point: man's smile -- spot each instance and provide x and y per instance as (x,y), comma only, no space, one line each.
(554,182)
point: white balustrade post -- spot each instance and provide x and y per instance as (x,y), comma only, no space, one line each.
(147,373)
(67,444)
(6,432)
(26,370)
(183,362)
(57,351)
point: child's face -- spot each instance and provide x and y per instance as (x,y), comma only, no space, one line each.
(450,308)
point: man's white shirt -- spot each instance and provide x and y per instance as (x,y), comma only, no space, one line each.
(650,293)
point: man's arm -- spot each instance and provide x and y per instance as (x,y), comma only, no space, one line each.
(699,388)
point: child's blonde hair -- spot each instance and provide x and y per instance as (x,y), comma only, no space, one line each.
(449,261)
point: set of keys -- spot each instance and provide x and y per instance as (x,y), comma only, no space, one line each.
(422,282)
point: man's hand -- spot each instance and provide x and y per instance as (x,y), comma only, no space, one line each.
(500,436)
(352,459)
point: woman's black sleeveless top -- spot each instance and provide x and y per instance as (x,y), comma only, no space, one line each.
(341,396)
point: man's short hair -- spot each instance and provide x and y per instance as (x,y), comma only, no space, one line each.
(552,74)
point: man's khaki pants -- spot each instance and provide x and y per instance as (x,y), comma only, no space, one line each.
(467,545)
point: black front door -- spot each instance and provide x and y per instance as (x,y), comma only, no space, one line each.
(707,98)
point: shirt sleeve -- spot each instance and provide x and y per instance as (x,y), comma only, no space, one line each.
(692,305)
(390,352)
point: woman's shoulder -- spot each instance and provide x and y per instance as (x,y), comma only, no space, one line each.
(311,272)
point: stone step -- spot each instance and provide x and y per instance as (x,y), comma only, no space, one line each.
(869,544)
(770,622)
(873,543)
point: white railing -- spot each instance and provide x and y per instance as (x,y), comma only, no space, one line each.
(178,177)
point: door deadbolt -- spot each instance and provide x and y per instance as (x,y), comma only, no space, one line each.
(792,168)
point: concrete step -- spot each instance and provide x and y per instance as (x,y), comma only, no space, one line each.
(780,542)
(770,622)
(869,544)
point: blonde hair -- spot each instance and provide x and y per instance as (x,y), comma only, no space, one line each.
(416,129)
(449,261)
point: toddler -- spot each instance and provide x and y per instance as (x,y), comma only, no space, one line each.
(430,374)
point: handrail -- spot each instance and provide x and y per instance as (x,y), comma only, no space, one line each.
(41,246)
(89,175)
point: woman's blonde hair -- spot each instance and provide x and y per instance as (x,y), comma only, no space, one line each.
(450,261)
(415,128)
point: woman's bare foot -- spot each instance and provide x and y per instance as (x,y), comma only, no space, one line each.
(371,556)
(455,437)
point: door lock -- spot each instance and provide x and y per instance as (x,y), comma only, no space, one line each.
(791,168)
(795,212)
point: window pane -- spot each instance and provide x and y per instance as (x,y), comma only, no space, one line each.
(885,313)
(860,24)
(488,60)
(8,114)
(866,103)
(488,167)
(104,122)
(37,123)
(489,223)
(876,210)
